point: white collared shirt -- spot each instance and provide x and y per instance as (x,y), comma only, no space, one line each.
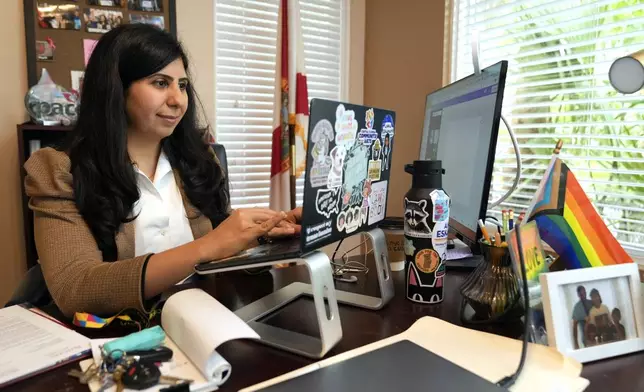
(162,222)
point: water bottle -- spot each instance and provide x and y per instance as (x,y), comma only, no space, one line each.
(426,224)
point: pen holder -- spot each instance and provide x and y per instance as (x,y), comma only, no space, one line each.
(492,290)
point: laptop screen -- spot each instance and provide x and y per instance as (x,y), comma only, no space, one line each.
(347,171)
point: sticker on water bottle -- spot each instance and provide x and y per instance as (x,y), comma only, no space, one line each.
(416,217)
(409,247)
(439,238)
(441,205)
(427,260)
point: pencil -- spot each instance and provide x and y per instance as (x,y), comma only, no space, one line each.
(484,231)
(511,219)
(497,239)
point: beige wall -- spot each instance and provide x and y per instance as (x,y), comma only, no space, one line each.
(403,63)
(13,70)
(195,29)
(354,51)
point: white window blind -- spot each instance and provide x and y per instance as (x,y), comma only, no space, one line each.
(559,53)
(245,53)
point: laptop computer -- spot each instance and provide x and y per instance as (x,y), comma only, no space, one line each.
(348,166)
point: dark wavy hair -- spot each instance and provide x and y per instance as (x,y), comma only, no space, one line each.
(105,186)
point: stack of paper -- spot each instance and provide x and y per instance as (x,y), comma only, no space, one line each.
(31,344)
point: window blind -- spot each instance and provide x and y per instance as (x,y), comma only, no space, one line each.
(559,53)
(245,54)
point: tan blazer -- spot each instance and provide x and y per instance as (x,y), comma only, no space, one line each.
(72,264)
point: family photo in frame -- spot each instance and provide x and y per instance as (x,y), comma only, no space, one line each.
(596,318)
(594,313)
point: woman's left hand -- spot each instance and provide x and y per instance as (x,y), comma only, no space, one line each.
(289,226)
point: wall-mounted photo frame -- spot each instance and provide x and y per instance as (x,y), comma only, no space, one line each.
(145,5)
(106,3)
(594,313)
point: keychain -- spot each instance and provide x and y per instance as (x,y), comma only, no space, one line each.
(147,339)
(140,375)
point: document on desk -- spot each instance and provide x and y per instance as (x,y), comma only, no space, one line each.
(459,253)
(31,344)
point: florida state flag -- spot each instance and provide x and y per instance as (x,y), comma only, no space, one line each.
(291,110)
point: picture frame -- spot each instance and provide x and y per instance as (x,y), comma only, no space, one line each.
(608,323)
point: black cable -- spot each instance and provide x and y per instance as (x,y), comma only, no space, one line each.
(496,221)
(492,217)
(336,250)
(508,381)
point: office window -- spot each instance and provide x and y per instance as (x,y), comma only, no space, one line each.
(559,53)
(245,52)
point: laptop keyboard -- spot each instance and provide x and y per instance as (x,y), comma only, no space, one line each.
(279,247)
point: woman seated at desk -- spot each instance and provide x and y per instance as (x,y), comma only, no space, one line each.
(127,208)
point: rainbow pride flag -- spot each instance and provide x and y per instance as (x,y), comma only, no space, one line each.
(569,223)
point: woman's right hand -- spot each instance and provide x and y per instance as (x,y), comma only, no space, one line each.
(237,232)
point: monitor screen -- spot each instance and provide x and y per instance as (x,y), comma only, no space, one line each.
(461,129)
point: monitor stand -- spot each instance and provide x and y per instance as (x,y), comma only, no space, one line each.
(325,298)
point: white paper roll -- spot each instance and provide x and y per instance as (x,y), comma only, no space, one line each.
(218,368)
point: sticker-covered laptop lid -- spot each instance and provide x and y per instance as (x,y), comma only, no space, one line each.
(348,166)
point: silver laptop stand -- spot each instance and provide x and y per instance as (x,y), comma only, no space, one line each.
(325,298)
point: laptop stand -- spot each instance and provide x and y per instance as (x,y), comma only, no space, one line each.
(383,269)
(325,298)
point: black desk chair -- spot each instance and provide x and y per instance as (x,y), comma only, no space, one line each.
(32,287)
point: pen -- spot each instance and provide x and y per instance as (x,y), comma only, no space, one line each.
(497,239)
(484,231)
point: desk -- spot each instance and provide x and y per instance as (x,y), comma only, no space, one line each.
(253,362)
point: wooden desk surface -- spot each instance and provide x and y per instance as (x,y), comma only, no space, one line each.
(253,362)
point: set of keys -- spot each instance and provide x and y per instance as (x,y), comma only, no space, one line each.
(136,371)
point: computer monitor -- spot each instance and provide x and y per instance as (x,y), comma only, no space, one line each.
(461,129)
